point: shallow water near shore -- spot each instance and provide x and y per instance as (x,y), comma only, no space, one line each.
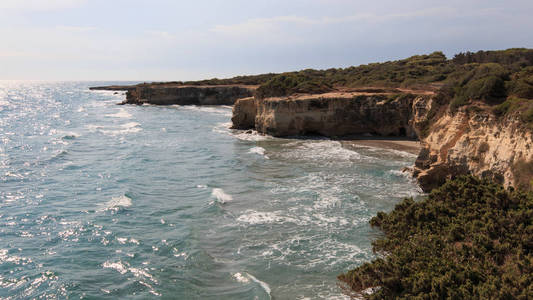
(104,201)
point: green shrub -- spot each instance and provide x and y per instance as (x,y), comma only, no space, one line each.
(521,84)
(290,83)
(469,239)
(458,101)
(527,116)
(523,174)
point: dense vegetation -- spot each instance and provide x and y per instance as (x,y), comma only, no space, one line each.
(469,239)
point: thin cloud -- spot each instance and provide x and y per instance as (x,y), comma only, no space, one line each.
(77,29)
(266,25)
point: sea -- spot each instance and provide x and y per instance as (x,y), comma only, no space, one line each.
(101,201)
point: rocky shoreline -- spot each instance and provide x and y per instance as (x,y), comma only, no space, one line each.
(472,114)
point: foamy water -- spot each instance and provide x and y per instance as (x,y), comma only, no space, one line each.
(221,196)
(106,201)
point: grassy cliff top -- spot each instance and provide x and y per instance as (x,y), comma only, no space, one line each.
(432,71)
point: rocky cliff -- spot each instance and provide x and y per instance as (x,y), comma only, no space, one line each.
(474,141)
(167,94)
(334,114)
(471,140)
(187,95)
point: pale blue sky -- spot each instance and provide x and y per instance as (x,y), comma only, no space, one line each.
(180,40)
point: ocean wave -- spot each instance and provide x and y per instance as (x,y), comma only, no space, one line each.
(254,218)
(124,267)
(116,203)
(240,278)
(245,277)
(323,151)
(221,196)
(223,128)
(400,173)
(130,127)
(388,151)
(219,109)
(69,135)
(263,284)
(248,135)
(252,136)
(259,150)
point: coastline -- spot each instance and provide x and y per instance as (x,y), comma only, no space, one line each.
(410,146)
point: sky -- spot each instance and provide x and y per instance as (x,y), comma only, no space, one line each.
(153,40)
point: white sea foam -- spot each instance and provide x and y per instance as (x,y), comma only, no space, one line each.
(223,128)
(122,240)
(259,150)
(325,151)
(117,266)
(245,277)
(124,268)
(221,196)
(400,173)
(252,136)
(116,203)
(142,274)
(240,278)
(130,127)
(254,217)
(219,109)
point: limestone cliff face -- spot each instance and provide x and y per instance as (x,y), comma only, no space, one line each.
(473,142)
(333,114)
(244,113)
(187,95)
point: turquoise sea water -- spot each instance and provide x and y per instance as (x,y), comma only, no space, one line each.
(100,201)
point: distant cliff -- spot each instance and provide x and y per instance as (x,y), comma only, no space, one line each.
(168,94)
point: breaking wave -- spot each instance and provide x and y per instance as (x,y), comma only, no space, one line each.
(221,196)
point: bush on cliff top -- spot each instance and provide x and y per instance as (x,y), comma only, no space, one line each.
(292,83)
(469,239)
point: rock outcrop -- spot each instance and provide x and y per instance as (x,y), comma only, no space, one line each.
(188,95)
(474,141)
(333,114)
(244,113)
(168,94)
